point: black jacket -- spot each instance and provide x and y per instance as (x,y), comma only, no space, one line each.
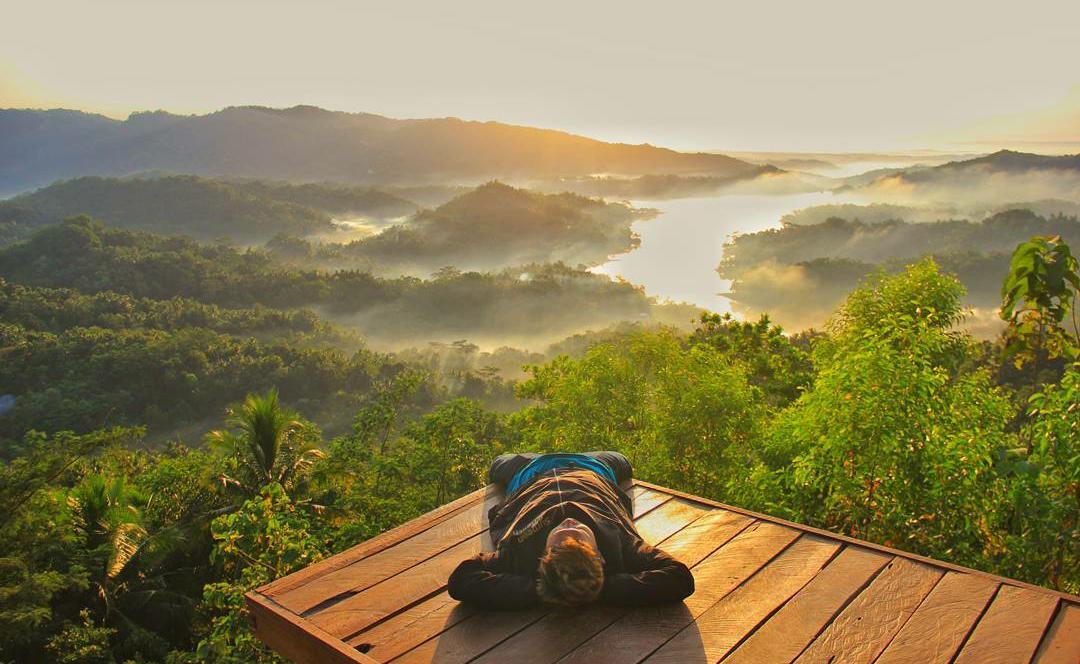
(635,573)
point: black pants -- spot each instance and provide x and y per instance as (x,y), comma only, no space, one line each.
(505,466)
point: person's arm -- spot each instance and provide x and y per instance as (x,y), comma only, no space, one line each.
(653,577)
(479,581)
(505,466)
(618,463)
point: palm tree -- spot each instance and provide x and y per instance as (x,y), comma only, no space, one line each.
(124,560)
(266,443)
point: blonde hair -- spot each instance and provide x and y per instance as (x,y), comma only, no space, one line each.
(570,573)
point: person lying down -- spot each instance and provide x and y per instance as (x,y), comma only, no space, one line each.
(564,535)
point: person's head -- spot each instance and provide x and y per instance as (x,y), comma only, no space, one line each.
(571,569)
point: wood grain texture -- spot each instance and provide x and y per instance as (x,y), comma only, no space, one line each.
(669,518)
(381,565)
(938,627)
(804,616)
(851,540)
(377,543)
(646,499)
(548,634)
(1061,645)
(412,627)
(717,631)
(640,631)
(1011,629)
(866,626)
(295,638)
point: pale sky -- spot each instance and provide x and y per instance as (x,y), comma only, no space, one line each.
(785,76)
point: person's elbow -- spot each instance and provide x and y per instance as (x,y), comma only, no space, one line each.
(682,582)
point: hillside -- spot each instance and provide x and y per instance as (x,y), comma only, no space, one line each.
(311,144)
(530,306)
(996,178)
(801,272)
(496,226)
(246,212)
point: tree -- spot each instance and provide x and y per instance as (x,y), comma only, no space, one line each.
(894,442)
(1037,300)
(267,444)
(685,415)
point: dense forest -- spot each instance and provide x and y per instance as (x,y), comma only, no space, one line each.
(527,305)
(128,534)
(248,212)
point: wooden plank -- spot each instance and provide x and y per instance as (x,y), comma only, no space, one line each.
(1061,645)
(851,540)
(471,638)
(661,523)
(646,499)
(866,626)
(411,627)
(359,611)
(717,631)
(1011,628)
(942,622)
(372,605)
(640,631)
(294,638)
(800,620)
(377,543)
(384,564)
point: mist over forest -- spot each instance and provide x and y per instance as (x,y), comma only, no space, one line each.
(390,303)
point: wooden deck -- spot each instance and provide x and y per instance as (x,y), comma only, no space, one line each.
(767,591)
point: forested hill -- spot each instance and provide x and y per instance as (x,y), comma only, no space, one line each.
(522,305)
(311,144)
(491,227)
(248,212)
(1002,176)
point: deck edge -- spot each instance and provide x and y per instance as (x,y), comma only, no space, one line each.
(371,546)
(295,638)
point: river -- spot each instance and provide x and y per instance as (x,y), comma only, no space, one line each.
(681,248)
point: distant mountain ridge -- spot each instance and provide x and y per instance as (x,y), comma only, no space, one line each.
(1002,161)
(1004,176)
(305,143)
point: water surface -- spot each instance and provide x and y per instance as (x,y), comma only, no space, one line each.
(681,248)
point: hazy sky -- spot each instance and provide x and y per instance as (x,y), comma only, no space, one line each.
(800,75)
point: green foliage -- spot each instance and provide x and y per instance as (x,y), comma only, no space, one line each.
(267,538)
(268,444)
(1038,298)
(776,363)
(177,204)
(685,415)
(86,377)
(85,643)
(1044,542)
(892,443)
(529,301)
